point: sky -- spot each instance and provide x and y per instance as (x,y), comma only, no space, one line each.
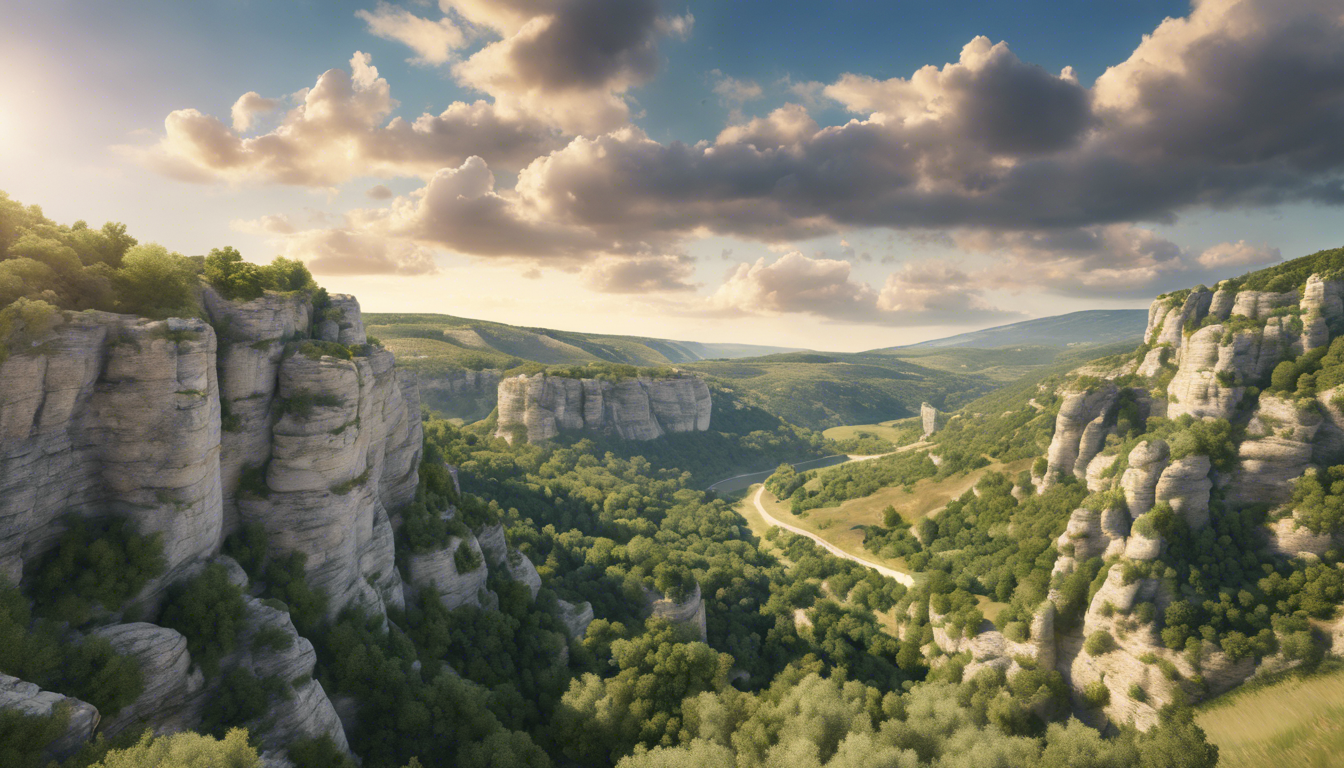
(838,176)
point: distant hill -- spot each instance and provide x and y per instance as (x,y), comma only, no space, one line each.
(432,343)
(1094,326)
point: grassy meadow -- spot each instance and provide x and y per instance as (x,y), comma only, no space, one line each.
(1298,722)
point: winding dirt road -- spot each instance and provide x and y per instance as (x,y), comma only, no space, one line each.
(903,578)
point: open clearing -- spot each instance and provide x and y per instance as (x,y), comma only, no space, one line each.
(894,431)
(1298,722)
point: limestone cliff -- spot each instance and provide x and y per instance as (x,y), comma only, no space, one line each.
(540,407)
(467,395)
(264,414)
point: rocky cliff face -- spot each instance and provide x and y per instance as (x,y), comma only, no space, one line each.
(540,407)
(189,429)
(468,395)
(1210,356)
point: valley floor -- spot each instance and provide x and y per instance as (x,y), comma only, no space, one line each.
(1298,722)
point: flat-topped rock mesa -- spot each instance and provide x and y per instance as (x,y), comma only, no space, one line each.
(540,407)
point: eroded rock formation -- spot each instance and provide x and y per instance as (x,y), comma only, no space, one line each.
(540,407)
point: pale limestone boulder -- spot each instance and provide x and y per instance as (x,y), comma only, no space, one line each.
(171,683)
(1147,461)
(1322,303)
(30,700)
(576,618)
(1141,548)
(493,544)
(1154,360)
(351,322)
(690,612)
(520,568)
(928,418)
(1223,300)
(252,340)
(1185,485)
(308,712)
(1097,469)
(1258,305)
(1277,450)
(1287,537)
(1196,389)
(336,471)
(1079,431)
(438,570)
(1172,325)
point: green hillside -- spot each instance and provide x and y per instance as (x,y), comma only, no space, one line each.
(1096,326)
(433,343)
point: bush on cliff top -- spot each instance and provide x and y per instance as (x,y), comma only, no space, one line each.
(240,280)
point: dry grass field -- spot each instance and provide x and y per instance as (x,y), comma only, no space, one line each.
(1297,723)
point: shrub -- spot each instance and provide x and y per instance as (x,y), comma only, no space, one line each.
(1137,693)
(1099,643)
(248,545)
(286,580)
(99,562)
(271,638)
(466,559)
(185,750)
(242,696)
(208,611)
(302,403)
(320,752)
(1096,695)
(24,738)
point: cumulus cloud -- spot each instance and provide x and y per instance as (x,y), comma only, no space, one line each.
(932,292)
(567,61)
(1239,254)
(247,107)
(433,41)
(339,130)
(920,294)
(379,192)
(343,250)
(735,92)
(1110,260)
(641,274)
(991,141)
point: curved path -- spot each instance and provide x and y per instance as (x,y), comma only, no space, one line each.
(903,578)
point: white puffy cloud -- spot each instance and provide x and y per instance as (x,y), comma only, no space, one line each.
(925,293)
(644,273)
(247,107)
(734,91)
(339,130)
(348,249)
(567,61)
(933,292)
(433,41)
(1239,254)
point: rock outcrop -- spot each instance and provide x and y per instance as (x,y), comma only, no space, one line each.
(576,618)
(28,699)
(171,684)
(540,407)
(928,418)
(689,612)
(467,395)
(438,570)
(1080,431)
(1277,449)
(189,429)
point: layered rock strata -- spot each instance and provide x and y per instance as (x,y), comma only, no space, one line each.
(540,407)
